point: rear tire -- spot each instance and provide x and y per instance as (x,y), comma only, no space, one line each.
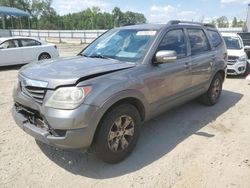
(44,56)
(117,134)
(211,97)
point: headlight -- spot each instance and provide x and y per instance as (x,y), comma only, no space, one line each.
(242,58)
(68,98)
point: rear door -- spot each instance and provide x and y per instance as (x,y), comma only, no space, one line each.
(30,49)
(202,56)
(10,53)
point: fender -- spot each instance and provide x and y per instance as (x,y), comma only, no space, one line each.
(130,93)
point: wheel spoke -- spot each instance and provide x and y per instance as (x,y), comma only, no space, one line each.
(124,142)
(115,145)
(118,122)
(127,122)
(112,135)
(129,132)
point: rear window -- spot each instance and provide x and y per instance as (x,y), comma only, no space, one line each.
(198,41)
(215,38)
(29,42)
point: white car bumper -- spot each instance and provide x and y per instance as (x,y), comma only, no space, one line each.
(237,68)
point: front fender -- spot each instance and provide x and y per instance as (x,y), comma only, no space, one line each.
(125,94)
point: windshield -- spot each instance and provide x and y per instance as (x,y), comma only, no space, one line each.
(233,43)
(122,44)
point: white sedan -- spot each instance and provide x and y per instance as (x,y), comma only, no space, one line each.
(22,50)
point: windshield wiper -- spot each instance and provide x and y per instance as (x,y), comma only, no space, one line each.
(97,56)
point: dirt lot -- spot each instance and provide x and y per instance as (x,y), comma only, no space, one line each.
(190,146)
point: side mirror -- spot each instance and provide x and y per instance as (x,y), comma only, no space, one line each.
(247,47)
(165,56)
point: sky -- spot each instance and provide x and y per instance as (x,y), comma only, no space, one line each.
(161,11)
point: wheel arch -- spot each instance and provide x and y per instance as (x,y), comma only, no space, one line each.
(42,54)
(126,97)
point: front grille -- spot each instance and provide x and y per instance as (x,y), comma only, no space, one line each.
(36,93)
(232,59)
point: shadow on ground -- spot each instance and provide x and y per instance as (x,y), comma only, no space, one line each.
(158,137)
(10,67)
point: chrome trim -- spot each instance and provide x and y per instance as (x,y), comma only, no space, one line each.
(29,82)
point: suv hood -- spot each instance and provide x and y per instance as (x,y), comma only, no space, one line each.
(67,71)
(237,53)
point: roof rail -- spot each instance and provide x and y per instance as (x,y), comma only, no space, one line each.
(176,22)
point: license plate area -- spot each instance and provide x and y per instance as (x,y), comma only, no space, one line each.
(31,116)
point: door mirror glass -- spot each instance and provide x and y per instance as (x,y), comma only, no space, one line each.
(165,56)
(247,47)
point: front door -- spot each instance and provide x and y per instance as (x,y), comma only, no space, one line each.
(10,53)
(172,80)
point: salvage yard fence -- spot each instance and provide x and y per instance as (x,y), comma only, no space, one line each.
(82,36)
(79,36)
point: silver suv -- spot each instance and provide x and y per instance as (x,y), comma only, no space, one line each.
(127,76)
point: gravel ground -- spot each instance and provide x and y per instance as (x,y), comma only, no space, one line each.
(190,146)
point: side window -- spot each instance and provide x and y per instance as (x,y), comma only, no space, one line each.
(29,42)
(215,38)
(174,40)
(10,44)
(198,41)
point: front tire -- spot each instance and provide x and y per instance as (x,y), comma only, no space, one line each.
(211,97)
(117,134)
(247,69)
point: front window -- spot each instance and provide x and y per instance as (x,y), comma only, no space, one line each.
(122,44)
(233,43)
(9,44)
(174,40)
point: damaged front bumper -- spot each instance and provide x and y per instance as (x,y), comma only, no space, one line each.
(32,123)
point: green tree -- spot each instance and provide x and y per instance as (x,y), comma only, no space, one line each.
(222,21)
(43,16)
(38,9)
(117,16)
(213,22)
(235,22)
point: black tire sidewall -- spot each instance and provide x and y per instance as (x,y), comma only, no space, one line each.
(247,69)
(101,147)
(40,56)
(210,92)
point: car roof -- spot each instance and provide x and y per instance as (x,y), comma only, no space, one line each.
(145,26)
(161,26)
(229,34)
(2,39)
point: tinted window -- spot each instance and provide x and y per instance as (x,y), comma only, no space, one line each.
(29,42)
(10,44)
(215,38)
(233,43)
(174,40)
(198,41)
(246,38)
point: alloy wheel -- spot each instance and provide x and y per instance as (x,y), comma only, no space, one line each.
(121,133)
